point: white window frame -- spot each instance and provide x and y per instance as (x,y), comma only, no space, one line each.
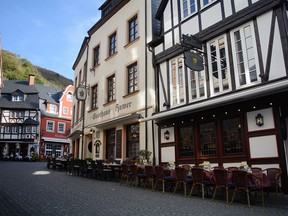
(197,79)
(177,82)
(218,60)
(65,110)
(245,60)
(53,125)
(69,96)
(64,127)
(189,12)
(53,108)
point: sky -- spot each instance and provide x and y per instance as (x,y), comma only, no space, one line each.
(47,33)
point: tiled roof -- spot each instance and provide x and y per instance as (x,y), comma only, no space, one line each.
(31,100)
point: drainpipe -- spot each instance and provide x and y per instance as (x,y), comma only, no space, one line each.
(84,101)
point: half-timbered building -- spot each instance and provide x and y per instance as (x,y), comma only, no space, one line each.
(19,120)
(221,69)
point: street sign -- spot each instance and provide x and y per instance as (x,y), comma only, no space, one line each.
(194,61)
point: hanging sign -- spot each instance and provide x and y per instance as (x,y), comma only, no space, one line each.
(192,41)
(81,93)
(194,61)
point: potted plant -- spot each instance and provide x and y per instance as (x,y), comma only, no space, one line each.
(144,156)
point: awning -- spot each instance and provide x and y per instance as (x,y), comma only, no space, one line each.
(57,140)
(74,134)
(122,119)
(242,95)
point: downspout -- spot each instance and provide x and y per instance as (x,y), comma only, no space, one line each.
(153,135)
(84,101)
(146,84)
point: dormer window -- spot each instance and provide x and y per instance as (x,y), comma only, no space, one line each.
(69,96)
(18,96)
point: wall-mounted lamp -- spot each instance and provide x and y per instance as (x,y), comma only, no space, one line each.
(140,118)
(91,131)
(167,135)
(259,120)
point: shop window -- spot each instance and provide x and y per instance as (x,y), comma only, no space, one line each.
(207,139)
(232,137)
(118,143)
(186,142)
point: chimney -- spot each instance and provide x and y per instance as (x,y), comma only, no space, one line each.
(31,79)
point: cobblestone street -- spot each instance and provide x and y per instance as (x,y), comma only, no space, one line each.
(30,188)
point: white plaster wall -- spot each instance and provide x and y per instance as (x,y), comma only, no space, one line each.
(227,8)
(191,26)
(167,17)
(168,40)
(211,16)
(264,27)
(264,146)
(277,69)
(168,154)
(239,5)
(267,116)
(175,12)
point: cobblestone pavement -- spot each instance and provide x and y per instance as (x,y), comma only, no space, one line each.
(30,188)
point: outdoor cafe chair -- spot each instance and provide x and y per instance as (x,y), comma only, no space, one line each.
(150,177)
(221,181)
(242,183)
(103,173)
(274,176)
(256,169)
(136,176)
(182,178)
(125,174)
(198,180)
(162,178)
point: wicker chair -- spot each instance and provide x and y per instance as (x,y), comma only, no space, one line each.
(149,172)
(182,178)
(274,175)
(198,180)
(221,177)
(161,177)
(241,181)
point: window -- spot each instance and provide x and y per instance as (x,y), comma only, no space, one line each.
(177,82)
(188,7)
(132,78)
(218,65)
(53,108)
(244,56)
(69,96)
(207,139)
(7,129)
(94,91)
(16,114)
(110,144)
(112,44)
(14,129)
(28,129)
(206,2)
(186,142)
(19,98)
(232,137)
(133,29)
(196,84)
(61,127)
(96,56)
(111,88)
(65,110)
(50,126)
(132,141)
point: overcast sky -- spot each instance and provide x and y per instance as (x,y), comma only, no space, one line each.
(48,33)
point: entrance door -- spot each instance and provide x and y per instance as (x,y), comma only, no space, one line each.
(24,149)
